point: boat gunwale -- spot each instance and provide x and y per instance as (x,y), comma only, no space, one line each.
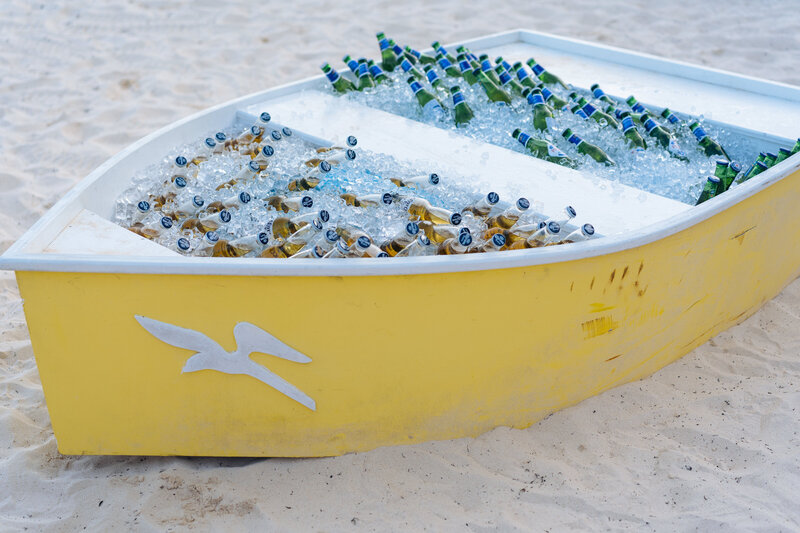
(16,259)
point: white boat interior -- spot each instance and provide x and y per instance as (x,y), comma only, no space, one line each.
(78,231)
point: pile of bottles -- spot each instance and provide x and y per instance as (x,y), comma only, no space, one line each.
(652,149)
(262,191)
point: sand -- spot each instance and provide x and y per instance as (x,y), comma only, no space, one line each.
(708,443)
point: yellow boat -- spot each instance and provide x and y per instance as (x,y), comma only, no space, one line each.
(143,351)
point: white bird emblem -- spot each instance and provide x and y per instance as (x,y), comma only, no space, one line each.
(211,356)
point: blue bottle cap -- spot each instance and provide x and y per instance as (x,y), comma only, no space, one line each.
(265,117)
(307,201)
(323,215)
(225,216)
(351,140)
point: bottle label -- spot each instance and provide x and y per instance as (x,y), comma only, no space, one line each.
(431,75)
(574,139)
(376,71)
(536,99)
(458,98)
(225,216)
(638,108)
(505,78)
(700,133)
(413,52)
(432,110)
(332,75)
(522,74)
(486,66)
(547,93)
(384,44)
(444,63)
(650,124)
(352,65)
(362,70)
(553,151)
(598,93)
(265,117)
(416,87)
(523,138)
(627,124)
(406,65)
(589,109)
(674,148)
(498,239)
(537,69)
(464,66)
(581,114)
(672,118)
(397,50)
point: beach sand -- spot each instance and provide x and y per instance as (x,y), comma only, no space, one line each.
(708,443)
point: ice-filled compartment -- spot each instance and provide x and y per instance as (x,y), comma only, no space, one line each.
(258,189)
(677,170)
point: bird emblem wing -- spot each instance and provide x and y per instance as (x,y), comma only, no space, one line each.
(177,336)
(250,338)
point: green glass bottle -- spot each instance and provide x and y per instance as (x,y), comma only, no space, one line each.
(543,149)
(796,147)
(424,59)
(365,80)
(709,190)
(411,70)
(463,113)
(663,137)
(604,119)
(388,57)
(769,160)
(439,49)
(722,171)
(495,93)
(500,61)
(587,148)
(507,82)
(433,78)
(632,135)
(636,106)
(670,116)
(749,173)
(709,145)
(376,72)
(783,154)
(598,93)
(543,119)
(431,108)
(466,69)
(352,64)
(486,67)
(546,77)
(340,84)
(448,67)
(552,100)
(734,171)
(522,75)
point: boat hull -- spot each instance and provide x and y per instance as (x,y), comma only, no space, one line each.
(394,359)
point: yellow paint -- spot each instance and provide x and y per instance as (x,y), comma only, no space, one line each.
(397,359)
